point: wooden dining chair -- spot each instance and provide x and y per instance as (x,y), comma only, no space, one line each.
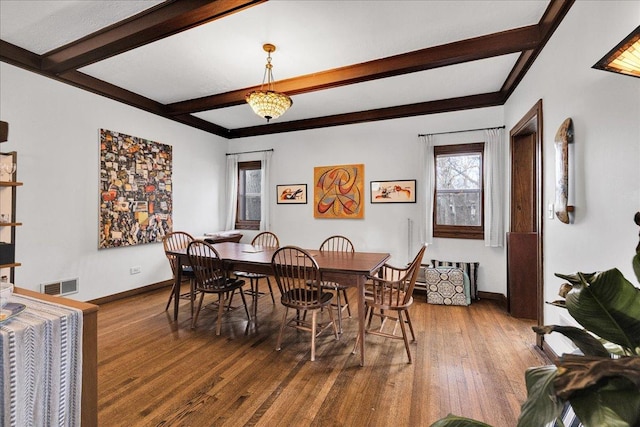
(298,278)
(174,241)
(391,291)
(338,244)
(212,278)
(265,239)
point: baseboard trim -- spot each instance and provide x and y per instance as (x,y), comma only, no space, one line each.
(548,351)
(132,292)
(493,296)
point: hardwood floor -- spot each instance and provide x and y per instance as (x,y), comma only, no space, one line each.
(152,371)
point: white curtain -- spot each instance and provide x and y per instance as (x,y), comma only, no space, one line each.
(232,191)
(428,170)
(494,187)
(265,200)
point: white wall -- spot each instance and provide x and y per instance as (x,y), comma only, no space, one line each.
(389,150)
(605,108)
(54,128)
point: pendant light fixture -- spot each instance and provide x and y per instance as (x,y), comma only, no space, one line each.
(266,102)
(625,57)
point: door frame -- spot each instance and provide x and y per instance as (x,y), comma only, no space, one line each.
(532,123)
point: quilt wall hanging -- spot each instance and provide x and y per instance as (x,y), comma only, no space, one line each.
(135,190)
(339,191)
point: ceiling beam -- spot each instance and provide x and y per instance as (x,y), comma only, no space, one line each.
(23,58)
(146,27)
(487,46)
(431,107)
(100,87)
(175,16)
(553,16)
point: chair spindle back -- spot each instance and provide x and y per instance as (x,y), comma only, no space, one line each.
(175,241)
(297,275)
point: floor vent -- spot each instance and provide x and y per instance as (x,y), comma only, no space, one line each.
(63,287)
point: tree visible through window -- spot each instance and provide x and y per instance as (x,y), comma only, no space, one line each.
(458,210)
(249,195)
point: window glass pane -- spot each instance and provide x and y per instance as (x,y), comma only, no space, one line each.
(249,200)
(458,189)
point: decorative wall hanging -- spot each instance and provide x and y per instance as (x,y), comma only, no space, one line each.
(393,191)
(564,137)
(292,194)
(339,192)
(135,190)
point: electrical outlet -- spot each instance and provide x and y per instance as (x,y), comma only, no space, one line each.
(135,270)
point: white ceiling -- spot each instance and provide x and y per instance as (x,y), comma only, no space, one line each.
(311,36)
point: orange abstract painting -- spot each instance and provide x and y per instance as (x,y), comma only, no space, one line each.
(339,191)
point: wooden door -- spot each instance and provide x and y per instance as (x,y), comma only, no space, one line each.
(522,240)
(523,184)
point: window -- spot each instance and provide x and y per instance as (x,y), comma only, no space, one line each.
(249,199)
(458,210)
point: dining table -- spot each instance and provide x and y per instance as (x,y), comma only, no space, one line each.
(348,268)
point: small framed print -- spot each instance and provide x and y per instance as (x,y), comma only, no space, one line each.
(393,191)
(292,194)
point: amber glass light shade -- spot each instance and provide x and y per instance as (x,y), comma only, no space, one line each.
(266,102)
(625,57)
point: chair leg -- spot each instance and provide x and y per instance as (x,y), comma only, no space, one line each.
(230,299)
(244,301)
(368,311)
(173,289)
(314,315)
(255,291)
(346,302)
(273,300)
(339,310)
(333,323)
(284,321)
(192,293)
(410,325)
(404,335)
(194,319)
(220,310)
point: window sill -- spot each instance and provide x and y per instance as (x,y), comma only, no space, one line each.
(247,227)
(471,234)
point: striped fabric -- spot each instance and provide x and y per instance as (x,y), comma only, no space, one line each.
(568,417)
(41,369)
(471,268)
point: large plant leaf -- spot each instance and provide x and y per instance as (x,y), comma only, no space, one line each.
(606,304)
(577,278)
(541,405)
(616,403)
(586,342)
(455,421)
(579,373)
(636,266)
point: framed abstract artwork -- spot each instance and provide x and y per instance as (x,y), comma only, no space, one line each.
(291,194)
(338,191)
(393,191)
(135,190)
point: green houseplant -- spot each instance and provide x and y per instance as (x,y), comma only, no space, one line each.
(603,383)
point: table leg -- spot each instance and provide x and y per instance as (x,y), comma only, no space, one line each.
(361,316)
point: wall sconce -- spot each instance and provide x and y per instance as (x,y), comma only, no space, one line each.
(563,138)
(625,57)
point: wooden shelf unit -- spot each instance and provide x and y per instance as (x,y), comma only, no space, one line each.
(8,191)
